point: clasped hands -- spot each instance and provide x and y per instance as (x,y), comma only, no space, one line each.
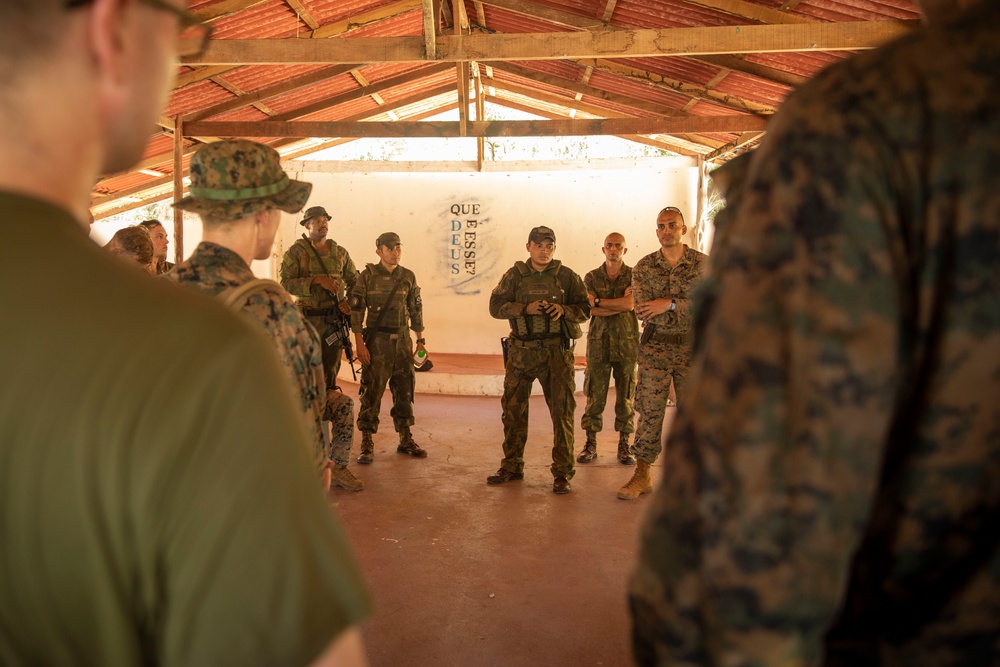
(543,307)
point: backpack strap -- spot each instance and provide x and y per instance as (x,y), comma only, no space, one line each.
(235,297)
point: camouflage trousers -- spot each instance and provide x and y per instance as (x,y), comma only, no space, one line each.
(392,363)
(659,363)
(332,354)
(597,381)
(340,413)
(553,368)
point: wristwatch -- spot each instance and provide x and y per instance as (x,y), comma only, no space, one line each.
(673,305)
(421,341)
(597,301)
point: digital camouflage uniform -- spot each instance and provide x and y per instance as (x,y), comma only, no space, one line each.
(215,270)
(665,355)
(537,352)
(390,347)
(298,267)
(830,494)
(612,348)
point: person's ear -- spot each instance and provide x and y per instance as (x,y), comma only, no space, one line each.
(106,37)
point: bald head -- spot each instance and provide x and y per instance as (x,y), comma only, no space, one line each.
(614,248)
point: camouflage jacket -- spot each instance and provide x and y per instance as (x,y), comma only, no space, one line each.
(654,278)
(830,492)
(214,269)
(371,292)
(299,266)
(618,332)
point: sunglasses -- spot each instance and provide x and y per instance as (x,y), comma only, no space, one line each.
(192,33)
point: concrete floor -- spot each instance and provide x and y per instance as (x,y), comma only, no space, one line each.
(464,573)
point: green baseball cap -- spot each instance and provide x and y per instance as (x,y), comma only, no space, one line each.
(387,239)
(236,178)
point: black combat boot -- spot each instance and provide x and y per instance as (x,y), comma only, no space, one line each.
(408,446)
(589,452)
(624,453)
(367,448)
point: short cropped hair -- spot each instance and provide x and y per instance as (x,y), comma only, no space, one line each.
(29,32)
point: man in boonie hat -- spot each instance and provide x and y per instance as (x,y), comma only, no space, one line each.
(239,189)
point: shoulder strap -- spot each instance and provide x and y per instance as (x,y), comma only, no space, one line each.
(388,300)
(235,297)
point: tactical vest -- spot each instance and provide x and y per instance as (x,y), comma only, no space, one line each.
(532,287)
(332,266)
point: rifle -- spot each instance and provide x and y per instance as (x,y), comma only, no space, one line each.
(342,321)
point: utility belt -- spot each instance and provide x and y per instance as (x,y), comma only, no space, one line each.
(670,338)
(554,341)
(394,333)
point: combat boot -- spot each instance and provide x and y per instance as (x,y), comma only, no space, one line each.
(589,452)
(367,448)
(624,452)
(345,479)
(638,485)
(408,446)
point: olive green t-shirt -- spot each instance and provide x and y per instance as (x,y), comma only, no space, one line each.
(157,504)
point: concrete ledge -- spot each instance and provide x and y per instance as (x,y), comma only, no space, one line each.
(465,375)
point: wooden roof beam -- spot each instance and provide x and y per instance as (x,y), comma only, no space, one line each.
(568,128)
(559,45)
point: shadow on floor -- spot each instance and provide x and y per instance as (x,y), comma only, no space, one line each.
(467,574)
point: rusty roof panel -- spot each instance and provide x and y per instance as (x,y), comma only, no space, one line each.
(752,88)
(196,96)
(243,114)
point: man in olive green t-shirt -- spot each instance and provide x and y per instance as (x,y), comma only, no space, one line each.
(149,514)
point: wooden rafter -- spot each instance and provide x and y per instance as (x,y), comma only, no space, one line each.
(559,45)
(568,128)
(365,18)
(693,91)
(590,91)
(750,11)
(377,87)
(303,14)
(569,103)
(271,91)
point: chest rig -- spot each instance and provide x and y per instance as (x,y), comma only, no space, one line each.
(532,287)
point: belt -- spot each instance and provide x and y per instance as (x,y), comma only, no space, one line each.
(671,338)
(538,342)
(313,312)
(394,333)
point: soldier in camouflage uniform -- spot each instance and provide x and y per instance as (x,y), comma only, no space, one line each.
(238,230)
(612,348)
(830,492)
(544,302)
(662,286)
(387,356)
(321,289)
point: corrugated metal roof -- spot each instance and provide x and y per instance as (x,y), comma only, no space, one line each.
(639,87)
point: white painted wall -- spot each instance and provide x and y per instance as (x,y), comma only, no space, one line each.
(436,212)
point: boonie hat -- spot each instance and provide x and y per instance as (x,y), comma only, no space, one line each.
(313,212)
(539,234)
(388,239)
(235,178)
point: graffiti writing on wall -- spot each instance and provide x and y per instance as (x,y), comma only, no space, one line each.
(463,247)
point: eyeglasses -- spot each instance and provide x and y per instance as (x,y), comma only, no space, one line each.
(192,33)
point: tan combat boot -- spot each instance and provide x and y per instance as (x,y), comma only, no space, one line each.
(589,452)
(345,479)
(367,448)
(638,485)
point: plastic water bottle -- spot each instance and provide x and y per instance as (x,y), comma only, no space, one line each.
(419,357)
